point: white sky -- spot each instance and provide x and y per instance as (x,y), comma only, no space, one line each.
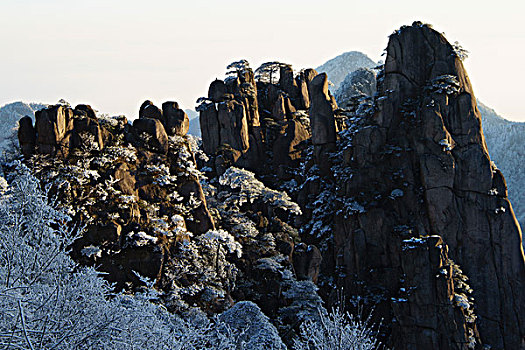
(115,54)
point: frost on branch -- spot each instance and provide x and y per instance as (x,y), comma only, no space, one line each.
(250,189)
(337,330)
(47,302)
(222,238)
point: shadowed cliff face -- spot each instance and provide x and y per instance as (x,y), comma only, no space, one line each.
(470,210)
(420,167)
(409,214)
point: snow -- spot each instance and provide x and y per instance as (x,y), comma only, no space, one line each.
(141,239)
(224,239)
(396,193)
(91,251)
(250,189)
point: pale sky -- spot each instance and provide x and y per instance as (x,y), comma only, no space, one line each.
(115,54)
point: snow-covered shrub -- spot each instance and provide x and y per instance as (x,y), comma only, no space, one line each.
(250,189)
(222,239)
(337,330)
(48,302)
(254,327)
(444,84)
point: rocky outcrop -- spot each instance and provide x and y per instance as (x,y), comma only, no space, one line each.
(149,221)
(286,147)
(233,125)
(477,224)
(242,120)
(321,112)
(54,127)
(216,91)
(126,181)
(149,110)
(152,133)
(400,205)
(26,136)
(434,308)
(175,120)
(210,130)
(414,168)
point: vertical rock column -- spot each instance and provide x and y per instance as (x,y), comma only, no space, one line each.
(322,121)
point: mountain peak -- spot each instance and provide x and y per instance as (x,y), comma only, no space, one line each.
(340,66)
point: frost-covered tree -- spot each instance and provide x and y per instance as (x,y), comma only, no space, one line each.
(337,330)
(48,302)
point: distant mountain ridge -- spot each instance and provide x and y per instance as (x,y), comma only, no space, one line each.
(339,67)
(195,127)
(506,143)
(10,114)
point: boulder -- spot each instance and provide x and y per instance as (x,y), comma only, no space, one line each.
(149,110)
(216,91)
(87,132)
(88,110)
(152,134)
(143,106)
(175,120)
(126,181)
(54,126)
(202,220)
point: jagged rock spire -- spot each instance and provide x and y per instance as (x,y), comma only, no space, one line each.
(421,164)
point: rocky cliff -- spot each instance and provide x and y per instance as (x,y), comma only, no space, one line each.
(391,200)
(415,178)
(151,218)
(400,196)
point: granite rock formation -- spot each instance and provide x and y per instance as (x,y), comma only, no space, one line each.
(399,194)
(414,193)
(392,199)
(264,125)
(151,220)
